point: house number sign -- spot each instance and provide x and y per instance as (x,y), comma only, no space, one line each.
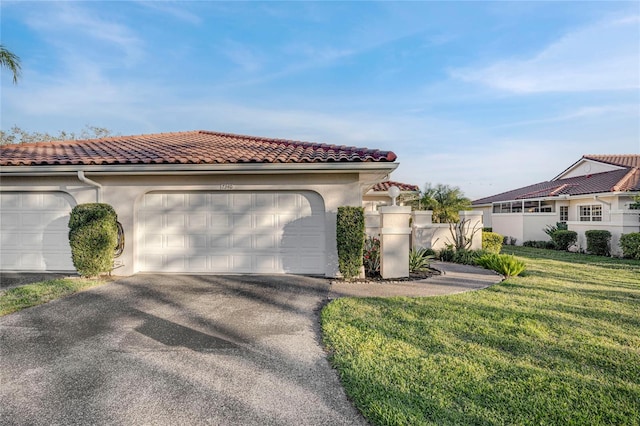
(226,186)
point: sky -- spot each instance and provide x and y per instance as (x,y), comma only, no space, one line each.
(486,96)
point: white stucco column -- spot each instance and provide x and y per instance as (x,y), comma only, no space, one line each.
(474,219)
(422,229)
(394,241)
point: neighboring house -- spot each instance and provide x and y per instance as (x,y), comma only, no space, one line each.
(189,202)
(378,195)
(593,193)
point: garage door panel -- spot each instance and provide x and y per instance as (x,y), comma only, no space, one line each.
(198,241)
(236,232)
(197,221)
(264,201)
(34,231)
(242,241)
(267,221)
(176,241)
(220,242)
(176,221)
(265,241)
(9,240)
(152,241)
(197,263)
(220,221)
(241,202)
(153,200)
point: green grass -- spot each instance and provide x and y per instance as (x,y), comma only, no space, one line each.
(18,298)
(558,346)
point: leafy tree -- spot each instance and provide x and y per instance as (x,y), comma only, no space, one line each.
(18,135)
(444,200)
(11,61)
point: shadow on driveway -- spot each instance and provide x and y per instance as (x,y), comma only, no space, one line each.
(172,349)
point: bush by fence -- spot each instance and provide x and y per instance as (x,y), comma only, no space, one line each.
(598,242)
(630,244)
(350,240)
(564,239)
(492,242)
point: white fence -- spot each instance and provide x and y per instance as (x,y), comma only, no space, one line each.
(436,236)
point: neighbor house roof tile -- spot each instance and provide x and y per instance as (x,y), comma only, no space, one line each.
(616,180)
(622,160)
(195,147)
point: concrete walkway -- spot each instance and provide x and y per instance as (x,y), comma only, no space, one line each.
(454,278)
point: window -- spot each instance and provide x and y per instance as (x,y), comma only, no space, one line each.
(537,206)
(508,207)
(564,213)
(592,213)
(529,206)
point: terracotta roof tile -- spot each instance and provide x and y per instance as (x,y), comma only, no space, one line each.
(384,186)
(622,160)
(196,147)
(616,180)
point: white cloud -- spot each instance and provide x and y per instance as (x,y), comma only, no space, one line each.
(70,18)
(248,59)
(605,56)
(586,112)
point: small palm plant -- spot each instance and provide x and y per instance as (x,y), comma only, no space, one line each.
(420,260)
(504,264)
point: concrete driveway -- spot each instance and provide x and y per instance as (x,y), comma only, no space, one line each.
(162,349)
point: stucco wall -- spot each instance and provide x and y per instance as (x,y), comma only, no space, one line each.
(509,225)
(125,192)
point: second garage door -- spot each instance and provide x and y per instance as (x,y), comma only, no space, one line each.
(231,232)
(34,231)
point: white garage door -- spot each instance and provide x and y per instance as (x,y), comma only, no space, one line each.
(234,232)
(34,231)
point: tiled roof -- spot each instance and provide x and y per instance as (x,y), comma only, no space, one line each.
(405,187)
(627,160)
(196,147)
(618,180)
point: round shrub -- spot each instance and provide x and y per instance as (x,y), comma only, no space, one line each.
(564,239)
(492,242)
(630,244)
(93,236)
(598,242)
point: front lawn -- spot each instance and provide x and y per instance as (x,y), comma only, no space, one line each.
(560,345)
(18,298)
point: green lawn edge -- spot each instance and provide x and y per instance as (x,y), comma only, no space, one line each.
(18,298)
(560,345)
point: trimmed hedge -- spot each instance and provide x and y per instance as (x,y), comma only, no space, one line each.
(564,239)
(492,242)
(598,242)
(93,236)
(350,240)
(540,244)
(630,244)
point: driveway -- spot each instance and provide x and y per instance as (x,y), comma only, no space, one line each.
(173,349)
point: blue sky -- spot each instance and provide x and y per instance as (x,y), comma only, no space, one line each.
(487,96)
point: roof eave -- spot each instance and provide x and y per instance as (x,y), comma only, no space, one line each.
(238,168)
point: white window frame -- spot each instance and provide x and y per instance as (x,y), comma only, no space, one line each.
(564,213)
(590,213)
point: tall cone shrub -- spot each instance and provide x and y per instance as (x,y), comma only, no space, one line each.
(350,240)
(93,236)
